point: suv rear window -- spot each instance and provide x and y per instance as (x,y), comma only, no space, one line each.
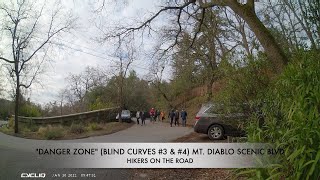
(214,109)
(221,109)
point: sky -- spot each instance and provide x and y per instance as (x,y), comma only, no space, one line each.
(80,48)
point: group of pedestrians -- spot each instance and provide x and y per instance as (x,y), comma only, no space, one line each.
(156,115)
(141,115)
(175,115)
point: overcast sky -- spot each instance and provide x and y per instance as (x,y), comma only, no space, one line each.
(79,49)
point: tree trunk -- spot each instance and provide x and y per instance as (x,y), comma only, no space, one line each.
(16,110)
(61,108)
(209,89)
(274,52)
(121,96)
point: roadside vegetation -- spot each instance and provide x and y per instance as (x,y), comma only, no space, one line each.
(291,120)
(263,55)
(60,132)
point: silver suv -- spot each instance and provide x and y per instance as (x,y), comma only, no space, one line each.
(125,116)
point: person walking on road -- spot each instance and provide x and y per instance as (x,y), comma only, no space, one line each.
(152,115)
(176,118)
(171,116)
(184,115)
(155,115)
(138,116)
(162,116)
(143,118)
(158,115)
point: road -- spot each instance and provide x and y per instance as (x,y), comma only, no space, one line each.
(17,154)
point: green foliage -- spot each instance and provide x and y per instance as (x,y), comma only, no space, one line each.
(136,94)
(99,104)
(51,132)
(77,128)
(6,108)
(292,120)
(244,84)
(30,110)
(187,68)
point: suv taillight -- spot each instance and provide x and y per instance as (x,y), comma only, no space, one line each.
(197,118)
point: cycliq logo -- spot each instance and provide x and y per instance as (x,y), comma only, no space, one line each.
(33,175)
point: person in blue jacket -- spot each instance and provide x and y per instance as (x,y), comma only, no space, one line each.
(184,115)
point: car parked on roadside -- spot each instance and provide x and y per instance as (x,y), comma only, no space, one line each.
(125,116)
(218,121)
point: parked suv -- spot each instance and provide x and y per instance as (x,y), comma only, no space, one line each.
(218,121)
(125,116)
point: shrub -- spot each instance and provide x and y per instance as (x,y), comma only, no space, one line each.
(11,123)
(77,128)
(42,130)
(51,132)
(95,126)
(33,128)
(292,120)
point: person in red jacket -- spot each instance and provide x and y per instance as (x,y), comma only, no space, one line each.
(152,115)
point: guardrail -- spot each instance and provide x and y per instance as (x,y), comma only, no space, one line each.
(102,115)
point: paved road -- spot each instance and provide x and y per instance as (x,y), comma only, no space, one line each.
(17,153)
(157,132)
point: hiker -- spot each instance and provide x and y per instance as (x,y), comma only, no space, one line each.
(152,115)
(184,115)
(155,115)
(143,118)
(138,116)
(162,116)
(176,118)
(158,115)
(171,115)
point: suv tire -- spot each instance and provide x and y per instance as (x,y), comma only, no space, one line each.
(215,132)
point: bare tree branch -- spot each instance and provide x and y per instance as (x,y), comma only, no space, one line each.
(199,26)
(6,60)
(145,24)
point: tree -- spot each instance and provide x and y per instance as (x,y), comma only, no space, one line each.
(241,33)
(61,98)
(294,23)
(246,10)
(199,65)
(29,34)
(126,57)
(137,94)
(155,77)
(304,13)
(79,85)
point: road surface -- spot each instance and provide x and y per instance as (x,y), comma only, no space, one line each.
(17,154)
